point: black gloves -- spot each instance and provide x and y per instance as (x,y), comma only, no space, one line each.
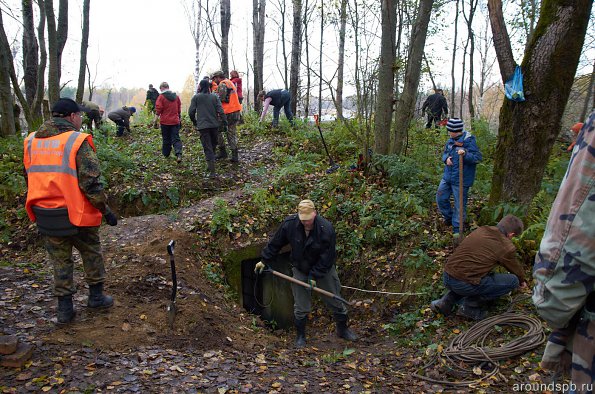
(111,219)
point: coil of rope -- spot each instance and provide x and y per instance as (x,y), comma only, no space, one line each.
(471,347)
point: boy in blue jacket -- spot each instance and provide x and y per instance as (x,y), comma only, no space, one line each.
(461,143)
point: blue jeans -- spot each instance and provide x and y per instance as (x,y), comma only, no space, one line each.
(286,104)
(450,213)
(171,136)
(490,287)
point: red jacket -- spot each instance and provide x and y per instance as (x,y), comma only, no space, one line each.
(168,107)
(238,83)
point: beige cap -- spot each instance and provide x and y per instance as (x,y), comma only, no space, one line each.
(306,210)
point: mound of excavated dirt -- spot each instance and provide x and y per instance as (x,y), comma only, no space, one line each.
(139,279)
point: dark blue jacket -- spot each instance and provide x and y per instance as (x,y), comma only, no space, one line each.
(470,159)
(313,256)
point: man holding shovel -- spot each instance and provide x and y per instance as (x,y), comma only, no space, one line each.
(457,178)
(313,254)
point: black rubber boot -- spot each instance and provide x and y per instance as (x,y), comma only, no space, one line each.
(97,299)
(222,153)
(342,330)
(472,309)
(235,156)
(300,328)
(445,304)
(211,168)
(66,310)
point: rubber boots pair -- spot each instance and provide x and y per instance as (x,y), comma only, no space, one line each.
(472,309)
(300,328)
(234,156)
(342,330)
(445,304)
(222,153)
(66,310)
(211,168)
(97,299)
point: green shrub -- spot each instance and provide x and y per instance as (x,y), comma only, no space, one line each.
(222,217)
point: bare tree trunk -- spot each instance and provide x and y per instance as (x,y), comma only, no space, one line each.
(36,111)
(30,52)
(406,105)
(341,61)
(320,57)
(463,72)
(7,125)
(225,25)
(56,41)
(306,20)
(386,77)
(199,32)
(430,72)
(80,90)
(398,69)
(472,8)
(453,88)
(8,66)
(529,129)
(282,12)
(486,66)
(296,51)
(590,88)
(258,21)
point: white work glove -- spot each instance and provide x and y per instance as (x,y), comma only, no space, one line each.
(260,266)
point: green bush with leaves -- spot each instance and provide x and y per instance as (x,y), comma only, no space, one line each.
(223,216)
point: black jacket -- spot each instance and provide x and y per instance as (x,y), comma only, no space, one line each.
(152,95)
(313,256)
(435,105)
(206,111)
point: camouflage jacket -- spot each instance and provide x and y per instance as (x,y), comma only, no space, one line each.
(564,268)
(87,164)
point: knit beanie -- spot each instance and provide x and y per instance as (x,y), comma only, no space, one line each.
(454,125)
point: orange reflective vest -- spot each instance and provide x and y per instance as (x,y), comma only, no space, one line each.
(234,103)
(52,177)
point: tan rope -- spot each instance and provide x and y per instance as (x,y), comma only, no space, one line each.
(470,346)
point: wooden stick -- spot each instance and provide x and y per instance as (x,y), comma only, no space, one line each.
(304,284)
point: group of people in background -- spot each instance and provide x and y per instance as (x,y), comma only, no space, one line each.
(215,118)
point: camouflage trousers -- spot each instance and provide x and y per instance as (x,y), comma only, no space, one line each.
(60,254)
(572,350)
(232,134)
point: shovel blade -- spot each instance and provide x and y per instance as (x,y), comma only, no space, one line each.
(171,315)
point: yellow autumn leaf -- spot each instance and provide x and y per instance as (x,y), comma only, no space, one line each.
(276,385)
(45,389)
(456,331)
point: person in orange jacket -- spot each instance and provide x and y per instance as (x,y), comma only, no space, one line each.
(228,94)
(65,198)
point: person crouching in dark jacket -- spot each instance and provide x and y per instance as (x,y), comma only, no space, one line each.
(313,254)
